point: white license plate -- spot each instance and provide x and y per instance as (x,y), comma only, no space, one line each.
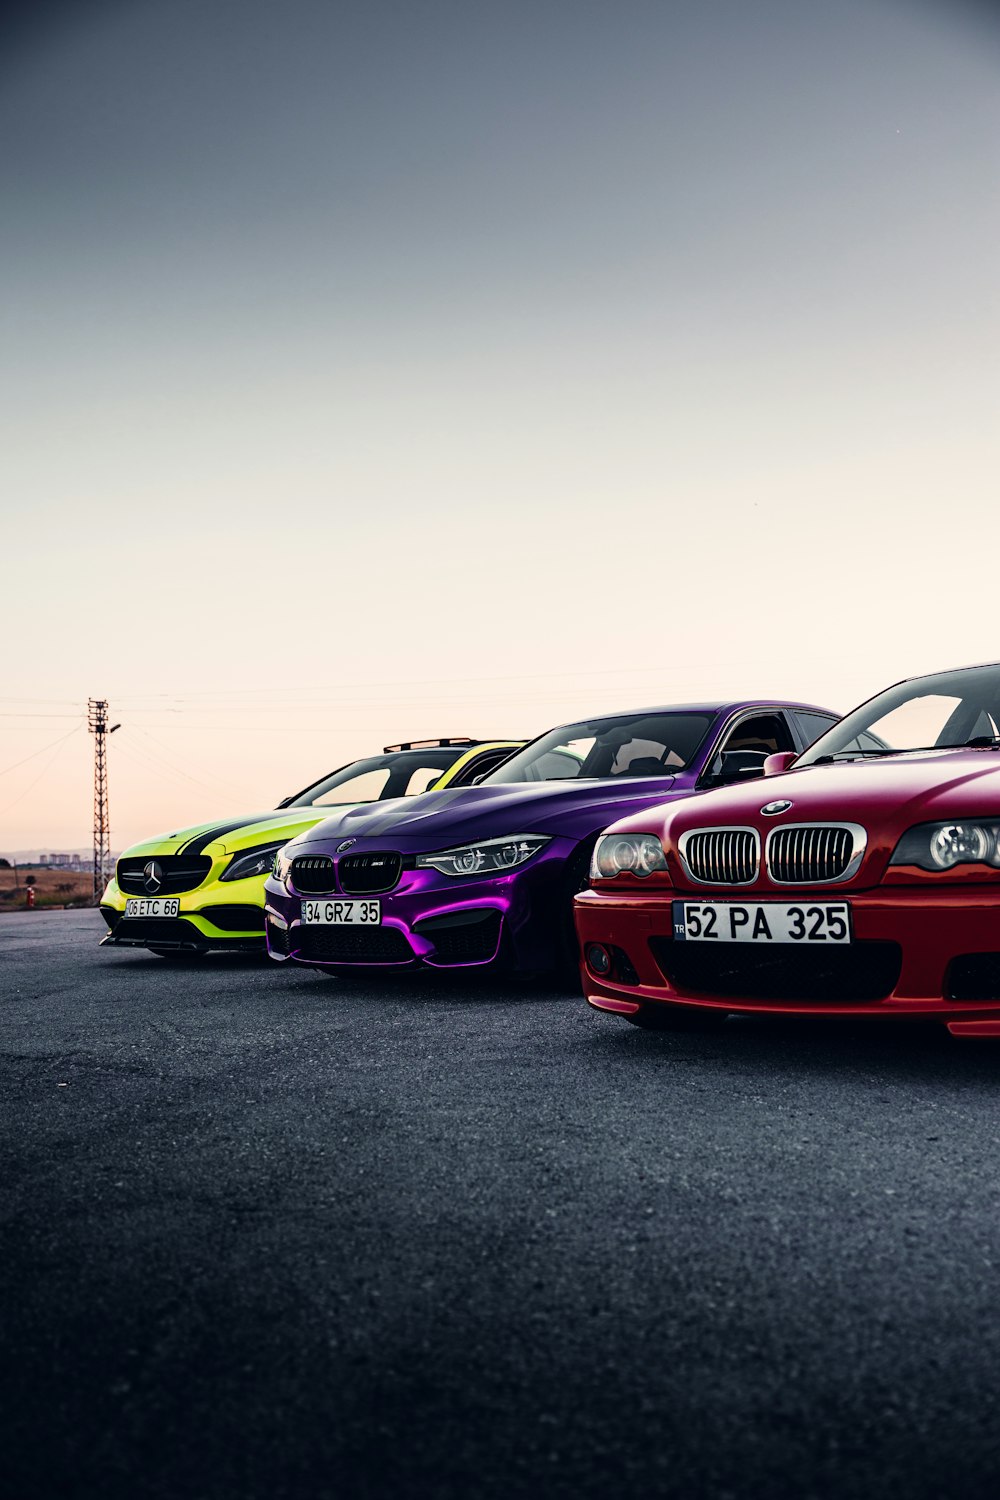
(341,913)
(762,922)
(153,906)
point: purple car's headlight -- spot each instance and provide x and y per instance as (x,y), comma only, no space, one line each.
(281,868)
(636,853)
(488,857)
(942,846)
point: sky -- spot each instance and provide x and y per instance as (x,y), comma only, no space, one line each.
(378,370)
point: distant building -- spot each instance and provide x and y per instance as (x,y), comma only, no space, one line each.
(73,863)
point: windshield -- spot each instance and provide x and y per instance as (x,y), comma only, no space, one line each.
(929,713)
(379,777)
(632,745)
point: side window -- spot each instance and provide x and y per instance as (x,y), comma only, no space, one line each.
(763,733)
(421,779)
(811,726)
(767,732)
(481,765)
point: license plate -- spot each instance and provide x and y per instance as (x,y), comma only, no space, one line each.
(343,913)
(153,906)
(762,922)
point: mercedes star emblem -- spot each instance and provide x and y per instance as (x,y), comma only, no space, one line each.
(152,876)
(775,807)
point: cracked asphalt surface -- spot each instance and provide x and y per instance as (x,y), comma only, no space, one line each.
(264,1234)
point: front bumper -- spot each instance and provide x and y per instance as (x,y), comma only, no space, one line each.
(916,954)
(215,915)
(433,920)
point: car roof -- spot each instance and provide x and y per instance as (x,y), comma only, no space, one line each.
(713,707)
(974,666)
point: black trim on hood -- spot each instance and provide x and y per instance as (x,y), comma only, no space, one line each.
(202,840)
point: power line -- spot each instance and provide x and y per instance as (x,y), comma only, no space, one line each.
(35,753)
(160,762)
(55,747)
(328,691)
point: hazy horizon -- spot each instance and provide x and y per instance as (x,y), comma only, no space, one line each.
(375,372)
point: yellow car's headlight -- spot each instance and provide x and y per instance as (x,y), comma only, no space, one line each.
(251,862)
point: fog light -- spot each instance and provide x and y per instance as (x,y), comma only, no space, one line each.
(598,960)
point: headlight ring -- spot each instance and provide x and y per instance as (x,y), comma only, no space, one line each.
(943,846)
(638,854)
(486,857)
(251,862)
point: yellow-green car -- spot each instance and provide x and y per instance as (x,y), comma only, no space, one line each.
(201,888)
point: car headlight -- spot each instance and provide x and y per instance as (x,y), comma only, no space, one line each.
(615,853)
(282,867)
(942,846)
(251,862)
(489,857)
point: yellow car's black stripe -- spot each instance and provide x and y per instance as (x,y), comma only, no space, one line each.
(202,840)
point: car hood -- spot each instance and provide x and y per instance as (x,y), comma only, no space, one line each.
(232,835)
(898,789)
(885,796)
(437,819)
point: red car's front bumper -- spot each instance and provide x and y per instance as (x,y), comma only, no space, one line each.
(916,954)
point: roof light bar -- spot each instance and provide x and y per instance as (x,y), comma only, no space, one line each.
(429,744)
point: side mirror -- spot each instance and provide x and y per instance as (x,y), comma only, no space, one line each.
(775,764)
(739,765)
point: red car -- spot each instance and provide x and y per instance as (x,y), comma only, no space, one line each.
(862,879)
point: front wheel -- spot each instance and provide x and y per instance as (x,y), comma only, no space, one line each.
(575,879)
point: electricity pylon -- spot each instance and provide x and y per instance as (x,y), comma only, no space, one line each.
(97,723)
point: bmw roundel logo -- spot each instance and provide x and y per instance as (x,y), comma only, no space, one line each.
(152,876)
(772,808)
(346,844)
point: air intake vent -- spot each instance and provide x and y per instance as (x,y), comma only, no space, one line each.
(721,856)
(312,874)
(849,975)
(352,945)
(814,853)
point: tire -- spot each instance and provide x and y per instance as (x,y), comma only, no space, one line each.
(575,879)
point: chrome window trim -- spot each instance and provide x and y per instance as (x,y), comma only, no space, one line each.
(860,844)
(689,834)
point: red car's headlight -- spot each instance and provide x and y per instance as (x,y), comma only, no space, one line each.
(942,846)
(636,853)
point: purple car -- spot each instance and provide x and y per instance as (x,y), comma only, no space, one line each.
(487,873)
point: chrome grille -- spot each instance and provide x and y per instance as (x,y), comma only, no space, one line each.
(175,873)
(814,853)
(721,856)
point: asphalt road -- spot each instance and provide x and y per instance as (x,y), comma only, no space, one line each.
(268,1235)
